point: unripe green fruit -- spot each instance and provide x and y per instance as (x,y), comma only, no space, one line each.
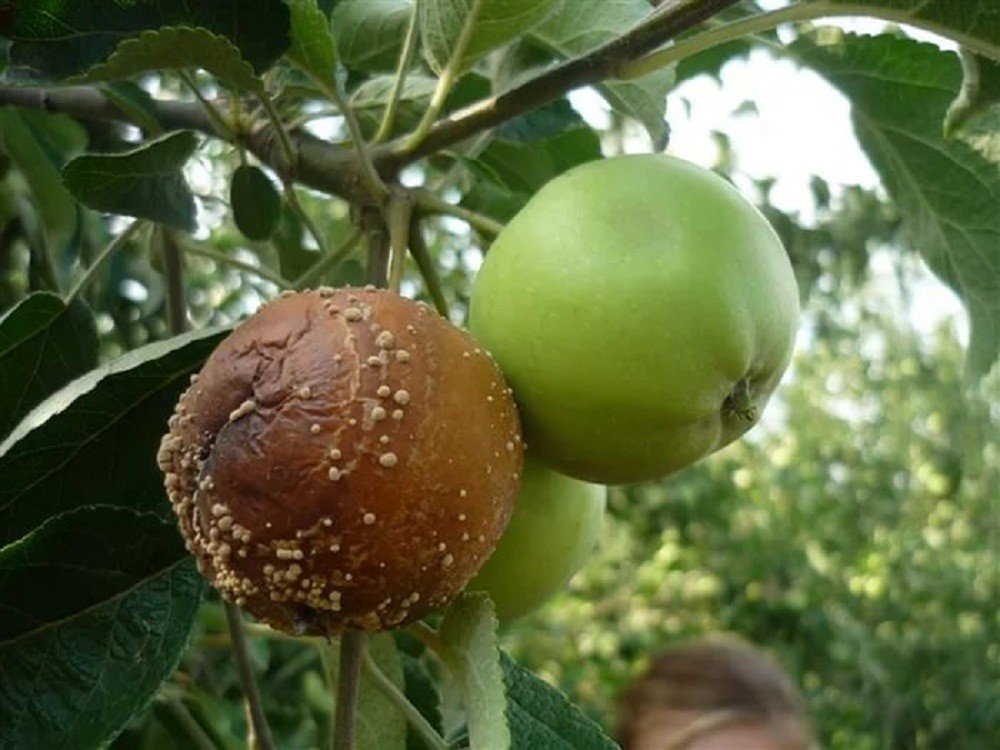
(551,535)
(643,312)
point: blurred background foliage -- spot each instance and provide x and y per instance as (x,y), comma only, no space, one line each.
(855,534)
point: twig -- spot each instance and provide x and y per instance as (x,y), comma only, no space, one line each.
(434,204)
(446,80)
(399,81)
(112,247)
(402,704)
(293,203)
(397,219)
(197,735)
(352,650)
(284,142)
(428,636)
(428,269)
(290,156)
(711,38)
(315,273)
(229,260)
(173,269)
(257,718)
(373,181)
(377,238)
(590,68)
(221,126)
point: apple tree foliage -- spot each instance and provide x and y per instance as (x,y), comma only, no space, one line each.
(168,165)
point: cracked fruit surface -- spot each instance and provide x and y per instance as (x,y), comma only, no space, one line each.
(345,459)
(552,534)
(643,313)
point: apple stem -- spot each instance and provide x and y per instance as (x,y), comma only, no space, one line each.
(352,651)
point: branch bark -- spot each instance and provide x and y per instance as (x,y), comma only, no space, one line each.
(667,21)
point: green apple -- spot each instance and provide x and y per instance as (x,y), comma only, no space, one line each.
(553,531)
(642,311)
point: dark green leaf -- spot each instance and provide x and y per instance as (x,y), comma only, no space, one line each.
(294,258)
(546,121)
(469,633)
(498,22)
(525,156)
(541,716)
(145,182)
(57,40)
(947,193)
(97,607)
(421,692)
(95,441)
(312,43)
(528,166)
(175,48)
(581,25)
(43,345)
(255,201)
(39,144)
(370,33)
(973,23)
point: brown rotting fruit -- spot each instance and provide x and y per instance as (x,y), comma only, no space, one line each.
(345,459)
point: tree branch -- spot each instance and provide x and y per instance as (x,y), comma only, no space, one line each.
(320,165)
(663,24)
(337,170)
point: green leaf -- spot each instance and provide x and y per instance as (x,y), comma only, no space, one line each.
(98,605)
(580,26)
(375,92)
(255,201)
(973,23)
(472,655)
(59,39)
(710,61)
(369,33)
(175,48)
(541,716)
(294,258)
(980,90)
(370,98)
(379,725)
(39,144)
(95,441)
(312,46)
(525,155)
(498,22)
(947,193)
(43,345)
(145,182)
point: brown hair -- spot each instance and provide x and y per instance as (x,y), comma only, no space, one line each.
(720,681)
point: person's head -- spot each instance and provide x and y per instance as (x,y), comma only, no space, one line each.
(713,694)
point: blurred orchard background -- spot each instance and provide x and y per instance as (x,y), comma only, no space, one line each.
(855,534)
